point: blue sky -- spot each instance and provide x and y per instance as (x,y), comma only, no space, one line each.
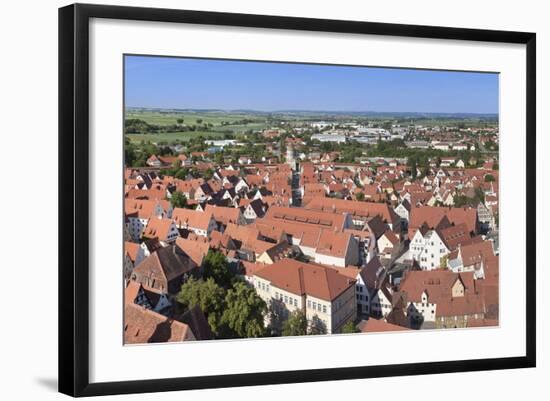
(220,84)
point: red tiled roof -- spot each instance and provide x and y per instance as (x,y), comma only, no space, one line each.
(143,326)
(433,215)
(191,218)
(374,325)
(306,278)
(355,208)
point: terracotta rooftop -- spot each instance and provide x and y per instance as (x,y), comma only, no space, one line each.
(309,217)
(224,215)
(333,243)
(355,208)
(306,278)
(132,249)
(192,218)
(158,228)
(196,249)
(143,326)
(378,325)
(433,215)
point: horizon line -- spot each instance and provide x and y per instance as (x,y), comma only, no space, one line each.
(309,110)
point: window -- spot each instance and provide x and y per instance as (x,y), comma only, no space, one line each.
(308,303)
(286,299)
(314,305)
(295,302)
(324,309)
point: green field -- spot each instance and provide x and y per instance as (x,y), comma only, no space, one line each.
(190,118)
(171,137)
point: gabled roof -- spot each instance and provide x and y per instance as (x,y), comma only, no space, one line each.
(196,320)
(355,208)
(438,285)
(258,207)
(224,215)
(196,249)
(144,209)
(132,250)
(432,216)
(376,226)
(309,217)
(390,235)
(158,228)
(473,254)
(219,240)
(242,234)
(306,278)
(143,326)
(192,218)
(373,274)
(455,235)
(166,263)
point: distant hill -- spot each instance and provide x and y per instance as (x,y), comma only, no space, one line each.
(327,113)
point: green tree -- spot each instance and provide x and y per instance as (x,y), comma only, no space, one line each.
(317,326)
(244,311)
(140,161)
(209,296)
(178,199)
(489,178)
(182,173)
(216,267)
(199,120)
(129,154)
(295,325)
(360,196)
(180,120)
(349,327)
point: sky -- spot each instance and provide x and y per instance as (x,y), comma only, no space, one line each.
(167,82)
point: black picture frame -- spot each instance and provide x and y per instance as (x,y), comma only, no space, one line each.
(74,198)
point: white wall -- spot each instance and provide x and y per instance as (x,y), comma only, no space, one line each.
(29,81)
